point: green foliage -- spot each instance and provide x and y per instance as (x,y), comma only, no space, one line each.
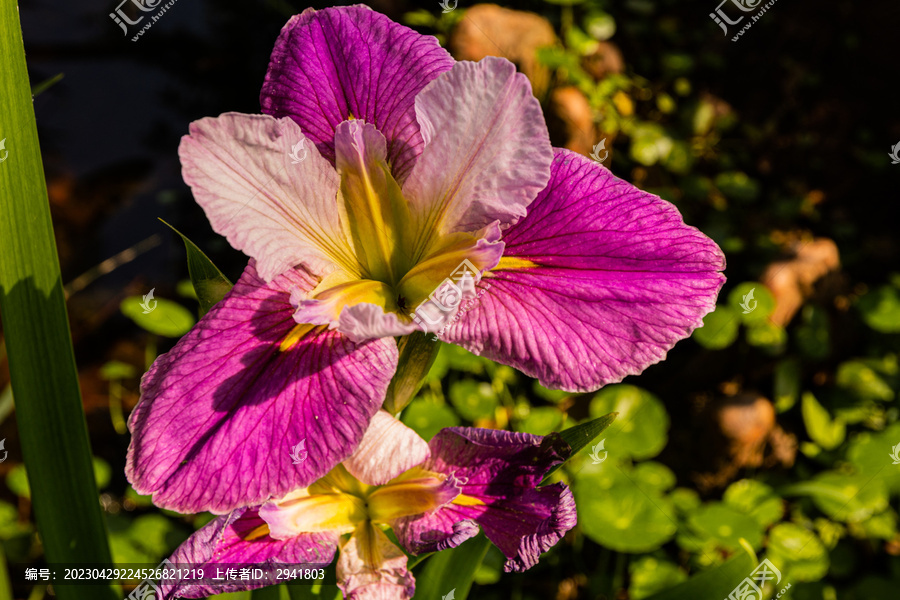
(50,418)
(822,428)
(756,499)
(759,301)
(650,575)
(725,526)
(474,400)
(451,570)
(210,285)
(801,552)
(720,328)
(618,514)
(880,309)
(427,417)
(713,583)
(640,429)
(17,478)
(168,318)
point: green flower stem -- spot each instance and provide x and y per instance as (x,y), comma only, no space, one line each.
(417,354)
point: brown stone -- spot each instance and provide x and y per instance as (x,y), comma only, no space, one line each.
(571,120)
(791,281)
(490,30)
(605,60)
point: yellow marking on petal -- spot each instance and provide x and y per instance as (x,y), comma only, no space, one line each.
(358,292)
(508,263)
(339,480)
(444,261)
(321,512)
(463,500)
(261,531)
(294,336)
(402,499)
(375,217)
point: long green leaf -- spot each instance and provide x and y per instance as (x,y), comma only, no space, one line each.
(714,583)
(50,417)
(209,282)
(451,570)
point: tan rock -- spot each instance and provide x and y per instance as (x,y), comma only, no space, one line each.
(571,121)
(490,30)
(605,60)
(747,420)
(791,281)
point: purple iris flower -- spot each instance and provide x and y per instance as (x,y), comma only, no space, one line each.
(434,496)
(385,185)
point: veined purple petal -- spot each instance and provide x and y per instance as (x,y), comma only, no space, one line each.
(222,416)
(235,540)
(598,282)
(497,473)
(333,64)
(267,190)
(487,151)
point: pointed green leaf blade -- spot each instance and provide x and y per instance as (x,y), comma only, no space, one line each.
(581,435)
(451,571)
(717,582)
(209,282)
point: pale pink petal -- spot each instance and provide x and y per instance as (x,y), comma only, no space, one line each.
(487,151)
(372,568)
(281,213)
(388,448)
(366,321)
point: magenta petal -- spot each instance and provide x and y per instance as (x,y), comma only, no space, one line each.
(618,279)
(221,544)
(221,415)
(331,64)
(501,469)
